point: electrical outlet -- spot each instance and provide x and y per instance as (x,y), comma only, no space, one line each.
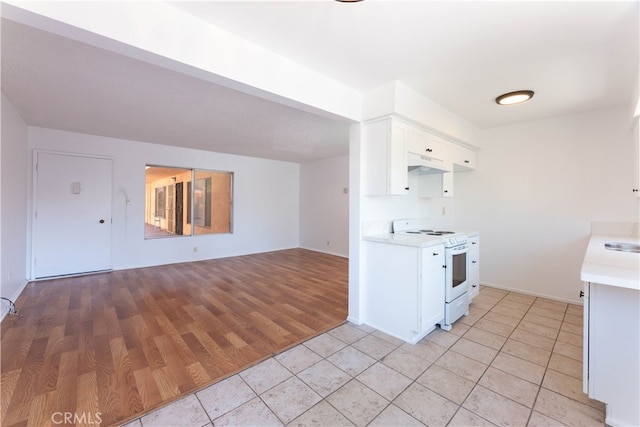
(195,249)
(444,211)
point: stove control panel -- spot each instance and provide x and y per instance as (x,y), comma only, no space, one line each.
(457,240)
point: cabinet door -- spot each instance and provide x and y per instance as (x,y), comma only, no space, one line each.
(432,282)
(428,145)
(398,181)
(392,296)
(464,159)
(473,274)
(585,338)
(436,185)
(416,141)
(614,360)
(384,146)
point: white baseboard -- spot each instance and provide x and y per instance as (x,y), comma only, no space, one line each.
(14,297)
(325,252)
(354,320)
(533,294)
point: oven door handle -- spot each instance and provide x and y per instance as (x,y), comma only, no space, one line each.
(458,250)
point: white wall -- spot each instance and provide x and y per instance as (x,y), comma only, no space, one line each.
(159,33)
(13,204)
(396,98)
(379,211)
(324,206)
(537,188)
(266,199)
(356,259)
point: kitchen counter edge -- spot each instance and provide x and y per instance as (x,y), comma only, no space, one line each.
(404,239)
(418,241)
(613,268)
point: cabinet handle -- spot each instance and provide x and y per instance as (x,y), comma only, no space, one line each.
(474,262)
(466,161)
(581,294)
(436,253)
(635,190)
(406,188)
(473,243)
(475,286)
(446,191)
(429,150)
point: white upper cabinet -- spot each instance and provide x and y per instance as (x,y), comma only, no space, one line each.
(464,159)
(390,146)
(436,185)
(436,151)
(384,145)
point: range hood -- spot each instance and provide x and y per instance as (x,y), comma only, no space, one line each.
(425,165)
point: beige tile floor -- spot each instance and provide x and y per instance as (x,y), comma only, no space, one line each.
(515,360)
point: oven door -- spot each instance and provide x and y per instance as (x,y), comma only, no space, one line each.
(456,283)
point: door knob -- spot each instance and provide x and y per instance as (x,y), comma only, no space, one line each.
(102,221)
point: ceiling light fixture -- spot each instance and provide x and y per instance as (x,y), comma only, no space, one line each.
(514,97)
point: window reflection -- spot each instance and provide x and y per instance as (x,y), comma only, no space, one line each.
(184,202)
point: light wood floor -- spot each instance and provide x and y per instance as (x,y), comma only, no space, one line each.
(125,342)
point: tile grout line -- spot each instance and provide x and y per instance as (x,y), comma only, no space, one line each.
(494,357)
(353,378)
(546,366)
(203,408)
(414,381)
(539,387)
(397,346)
(483,372)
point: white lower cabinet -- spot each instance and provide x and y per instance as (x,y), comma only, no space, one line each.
(404,289)
(611,351)
(473,272)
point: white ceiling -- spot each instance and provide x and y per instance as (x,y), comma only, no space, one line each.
(578,56)
(60,83)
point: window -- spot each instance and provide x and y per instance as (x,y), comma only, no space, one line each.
(186,202)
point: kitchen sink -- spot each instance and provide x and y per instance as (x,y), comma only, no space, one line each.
(623,247)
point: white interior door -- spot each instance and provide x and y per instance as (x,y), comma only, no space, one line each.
(72,215)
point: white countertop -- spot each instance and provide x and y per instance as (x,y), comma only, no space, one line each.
(609,267)
(417,240)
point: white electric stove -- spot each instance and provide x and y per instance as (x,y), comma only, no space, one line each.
(456,265)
